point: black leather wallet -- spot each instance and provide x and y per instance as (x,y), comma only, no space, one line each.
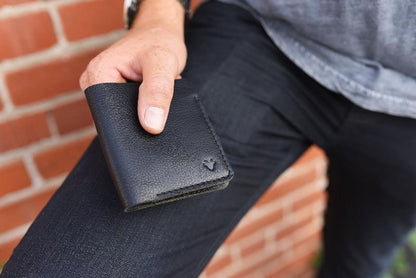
(186,159)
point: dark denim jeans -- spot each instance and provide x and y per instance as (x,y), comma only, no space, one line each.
(267,112)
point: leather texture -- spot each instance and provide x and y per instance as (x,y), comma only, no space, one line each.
(186,159)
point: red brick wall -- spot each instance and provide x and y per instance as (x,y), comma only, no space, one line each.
(45,126)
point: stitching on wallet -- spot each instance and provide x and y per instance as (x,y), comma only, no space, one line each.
(178,190)
(210,129)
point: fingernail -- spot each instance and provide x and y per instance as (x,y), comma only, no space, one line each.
(153,117)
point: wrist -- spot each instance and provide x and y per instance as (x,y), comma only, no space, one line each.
(168,14)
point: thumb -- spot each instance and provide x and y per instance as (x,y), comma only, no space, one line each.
(156,92)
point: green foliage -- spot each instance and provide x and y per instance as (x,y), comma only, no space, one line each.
(405,260)
(412,240)
(317,260)
(401,265)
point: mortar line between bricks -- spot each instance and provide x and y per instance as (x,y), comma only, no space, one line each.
(4,95)
(319,163)
(284,260)
(52,126)
(319,208)
(30,191)
(235,253)
(46,144)
(10,11)
(249,240)
(221,253)
(67,2)
(284,246)
(260,213)
(21,9)
(287,176)
(40,106)
(276,244)
(306,248)
(305,231)
(55,181)
(59,51)
(32,170)
(57,24)
(274,228)
(317,185)
(14,233)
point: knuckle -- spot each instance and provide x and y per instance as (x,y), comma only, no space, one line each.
(162,52)
(159,87)
(100,61)
(100,69)
(160,90)
(94,63)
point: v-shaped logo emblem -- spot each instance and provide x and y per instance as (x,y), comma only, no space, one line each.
(210,164)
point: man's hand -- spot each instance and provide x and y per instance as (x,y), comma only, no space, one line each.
(153,52)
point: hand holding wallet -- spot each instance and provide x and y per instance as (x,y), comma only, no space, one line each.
(185,160)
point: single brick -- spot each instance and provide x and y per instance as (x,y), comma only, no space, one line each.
(48,80)
(23,131)
(60,159)
(25,34)
(23,211)
(72,116)
(13,177)
(87,18)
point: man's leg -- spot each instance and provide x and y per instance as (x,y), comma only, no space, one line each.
(372,194)
(83,231)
